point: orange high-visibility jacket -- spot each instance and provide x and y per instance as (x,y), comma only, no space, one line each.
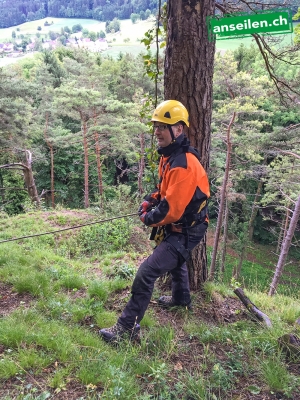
(181,192)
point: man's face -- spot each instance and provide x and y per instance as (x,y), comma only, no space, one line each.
(163,134)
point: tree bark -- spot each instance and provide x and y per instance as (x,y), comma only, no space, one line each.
(286,244)
(189,63)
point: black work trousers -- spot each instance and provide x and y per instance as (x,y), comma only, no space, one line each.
(165,258)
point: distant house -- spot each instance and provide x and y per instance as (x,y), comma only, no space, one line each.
(50,44)
(87,43)
(7,47)
(30,47)
(101,44)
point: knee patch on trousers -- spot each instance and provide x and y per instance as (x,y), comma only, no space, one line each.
(144,278)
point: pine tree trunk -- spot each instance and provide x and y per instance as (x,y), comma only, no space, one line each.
(188,78)
(285,248)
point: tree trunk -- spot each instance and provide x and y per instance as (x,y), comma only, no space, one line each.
(283,229)
(86,160)
(222,201)
(188,78)
(225,237)
(141,164)
(237,271)
(29,179)
(51,161)
(286,244)
(99,169)
(254,210)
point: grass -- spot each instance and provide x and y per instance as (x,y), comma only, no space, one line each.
(51,345)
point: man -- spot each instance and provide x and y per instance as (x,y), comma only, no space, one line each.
(177,211)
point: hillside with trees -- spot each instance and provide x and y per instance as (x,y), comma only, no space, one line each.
(20,11)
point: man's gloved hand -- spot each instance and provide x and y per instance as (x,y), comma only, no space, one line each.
(143,209)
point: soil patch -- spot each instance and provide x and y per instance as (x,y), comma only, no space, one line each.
(11,300)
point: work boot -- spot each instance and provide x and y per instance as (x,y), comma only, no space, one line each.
(118,332)
(168,302)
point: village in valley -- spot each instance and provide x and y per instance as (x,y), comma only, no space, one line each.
(15,49)
(21,44)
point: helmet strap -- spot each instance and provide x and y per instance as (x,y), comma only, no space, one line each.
(171,133)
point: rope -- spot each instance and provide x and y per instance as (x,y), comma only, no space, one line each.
(66,229)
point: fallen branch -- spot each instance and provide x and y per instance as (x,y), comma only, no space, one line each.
(252,308)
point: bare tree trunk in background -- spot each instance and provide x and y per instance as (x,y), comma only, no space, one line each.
(29,179)
(222,202)
(99,169)
(283,230)
(98,159)
(86,160)
(254,209)
(225,237)
(189,64)
(51,160)
(238,269)
(286,244)
(141,164)
(284,226)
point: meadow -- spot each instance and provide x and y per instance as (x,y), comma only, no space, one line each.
(58,290)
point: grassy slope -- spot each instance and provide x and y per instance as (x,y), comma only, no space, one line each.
(49,345)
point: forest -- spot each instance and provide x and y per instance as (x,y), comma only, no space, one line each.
(20,11)
(79,121)
(77,156)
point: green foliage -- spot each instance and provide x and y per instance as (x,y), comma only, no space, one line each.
(77,28)
(124,271)
(112,26)
(276,375)
(134,17)
(103,238)
(297,28)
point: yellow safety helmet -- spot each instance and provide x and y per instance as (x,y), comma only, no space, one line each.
(170,112)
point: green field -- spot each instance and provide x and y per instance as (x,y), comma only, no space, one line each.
(133,32)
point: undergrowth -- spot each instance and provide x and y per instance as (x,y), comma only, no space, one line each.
(80,281)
